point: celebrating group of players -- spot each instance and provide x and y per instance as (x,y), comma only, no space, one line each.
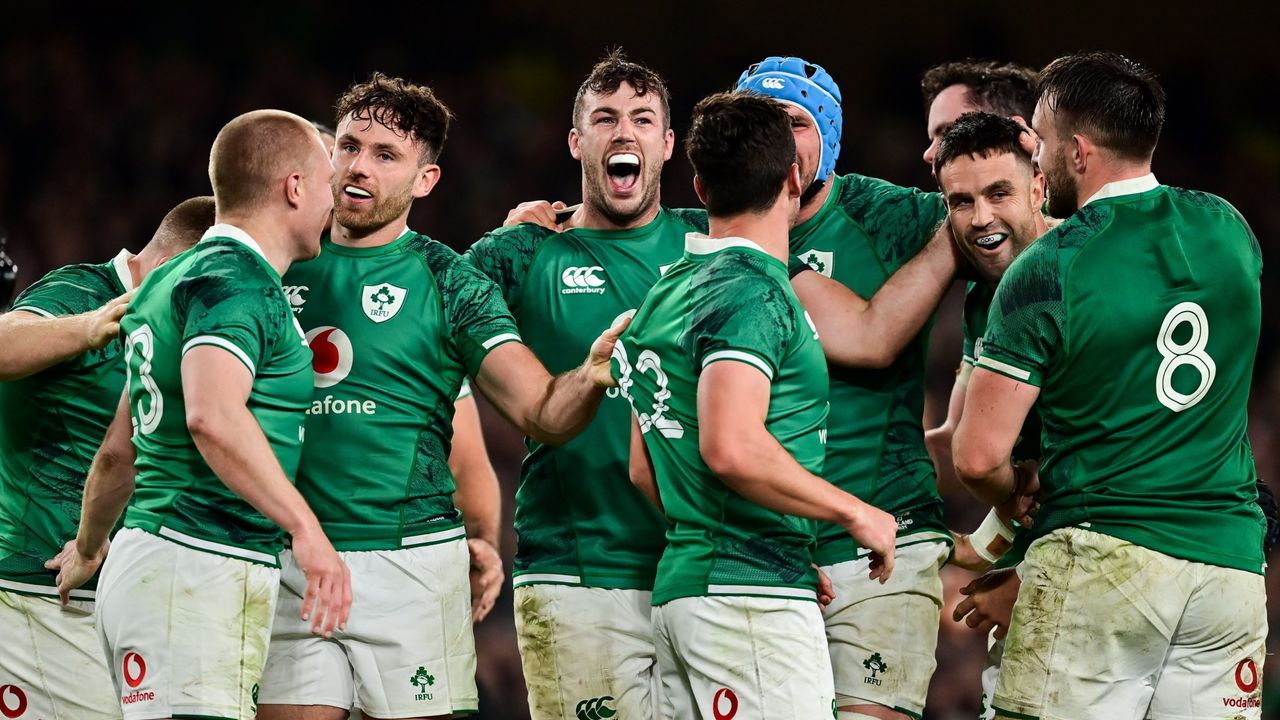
(729,506)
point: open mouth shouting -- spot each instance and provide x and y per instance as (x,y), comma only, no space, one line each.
(623,170)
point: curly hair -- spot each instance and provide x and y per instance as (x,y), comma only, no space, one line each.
(398,104)
(613,70)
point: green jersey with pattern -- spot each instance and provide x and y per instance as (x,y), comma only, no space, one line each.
(51,424)
(1138,319)
(864,232)
(394,330)
(726,301)
(221,293)
(578,517)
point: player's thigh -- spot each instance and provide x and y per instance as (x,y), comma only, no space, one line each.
(883,637)
(409,637)
(186,631)
(584,648)
(752,657)
(1094,619)
(1214,667)
(302,668)
(42,640)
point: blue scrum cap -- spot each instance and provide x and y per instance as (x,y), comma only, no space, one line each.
(807,86)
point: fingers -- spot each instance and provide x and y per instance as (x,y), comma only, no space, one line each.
(538,212)
(963,608)
(887,571)
(615,332)
(309,597)
(1001,631)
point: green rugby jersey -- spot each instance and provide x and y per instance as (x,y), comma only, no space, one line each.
(221,293)
(1138,319)
(973,317)
(864,232)
(51,424)
(578,517)
(394,329)
(727,300)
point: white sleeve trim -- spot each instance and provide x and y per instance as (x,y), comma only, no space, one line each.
(1006,368)
(223,343)
(740,356)
(499,339)
(35,311)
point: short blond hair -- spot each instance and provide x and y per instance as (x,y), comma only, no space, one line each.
(184,225)
(253,152)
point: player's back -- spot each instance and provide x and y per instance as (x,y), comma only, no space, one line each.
(222,293)
(1144,401)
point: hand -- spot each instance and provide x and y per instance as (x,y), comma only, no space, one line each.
(826,591)
(327,601)
(1024,502)
(877,531)
(989,601)
(964,556)
(602,353)
(73,568)
(103,325)
(538,212)
(486,577)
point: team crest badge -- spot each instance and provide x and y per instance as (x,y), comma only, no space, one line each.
(818,260)
(381,301)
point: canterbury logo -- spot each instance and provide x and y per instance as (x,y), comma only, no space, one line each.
(579,280)
(595,709)
(772,83)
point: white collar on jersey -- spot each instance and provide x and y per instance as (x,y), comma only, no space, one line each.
(231,231)
(121,264)
(1131,186)
(699,244)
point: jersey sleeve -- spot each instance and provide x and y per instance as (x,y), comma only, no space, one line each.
(478,317)
(740,314)
(695,218)
(229,301)
(969,324)
(504,255)
(1025,329)
(66,291)
(900,221)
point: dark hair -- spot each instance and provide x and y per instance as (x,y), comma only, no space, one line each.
(400,105)
(183,226)
(323,129)
(613,70)
(999,87)
(742,147)
(1107,97)
(981,134)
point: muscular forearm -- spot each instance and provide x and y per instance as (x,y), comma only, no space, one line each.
(107,490)
(567,405)
(479,499)
(30,343)
(232,443)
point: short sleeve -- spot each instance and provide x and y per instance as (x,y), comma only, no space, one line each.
(478,317)
(739,314)
(504,255)
(1024,332)
(464,392)
(970,322)
(229,301)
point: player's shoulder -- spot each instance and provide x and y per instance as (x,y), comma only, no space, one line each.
(442,262)
(860,196)
(519,239)
(71,288)
(695,219)
(738,278)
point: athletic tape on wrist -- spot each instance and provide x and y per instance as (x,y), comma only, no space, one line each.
(992,539)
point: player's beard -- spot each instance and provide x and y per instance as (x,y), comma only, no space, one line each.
(624,211)
(1060,185)
(382,211)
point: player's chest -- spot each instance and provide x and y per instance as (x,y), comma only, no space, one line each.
(843,254)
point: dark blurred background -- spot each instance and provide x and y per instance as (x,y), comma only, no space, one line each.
(107,114)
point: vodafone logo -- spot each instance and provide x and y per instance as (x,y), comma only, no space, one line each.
(135,669)
(725,704)
(1247,675)
(331,355)
(13,702)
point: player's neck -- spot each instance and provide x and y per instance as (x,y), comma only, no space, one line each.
(591,217)
(811,208)
(1105,174)
(348,237)
(770,230)
(275,240)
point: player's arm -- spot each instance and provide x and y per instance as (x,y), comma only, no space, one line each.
(30,343)
(938,440)
(548,409)
(733,402)
(861,333)
(215,388)
(994,410)
(107,490)
(479,499)
(640,467)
